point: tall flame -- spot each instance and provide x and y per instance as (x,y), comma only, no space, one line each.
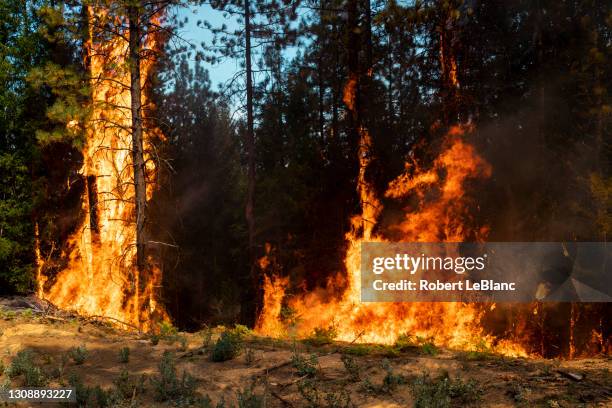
(101,277)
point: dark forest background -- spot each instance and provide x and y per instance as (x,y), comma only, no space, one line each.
(533,76)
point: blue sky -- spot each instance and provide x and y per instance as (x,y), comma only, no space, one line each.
(219,73)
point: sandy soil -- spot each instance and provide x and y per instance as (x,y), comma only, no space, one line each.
(266,365)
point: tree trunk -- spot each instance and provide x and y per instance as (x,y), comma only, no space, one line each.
(137,135)
(250,146)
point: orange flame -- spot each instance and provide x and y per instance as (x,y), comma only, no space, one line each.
(101,278)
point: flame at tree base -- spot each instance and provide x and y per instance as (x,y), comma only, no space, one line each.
(442,214)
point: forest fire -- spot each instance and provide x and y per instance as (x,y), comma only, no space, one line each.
(101,277)
(443,218)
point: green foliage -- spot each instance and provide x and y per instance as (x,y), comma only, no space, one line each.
(78,354)
(443,392)
(405,341)
(304,366)
(351,367)
(126,386)
(228,346)
(17,237)
(359,349)
(168,387)
(316,399)
(429,349)
(124,355)
(321,336)
(167,330)
(391,379)
(23,364)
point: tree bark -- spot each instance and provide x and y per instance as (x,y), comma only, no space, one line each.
(137,134)
(250,146)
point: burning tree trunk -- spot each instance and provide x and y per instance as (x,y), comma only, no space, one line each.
(137,143)
(107,274)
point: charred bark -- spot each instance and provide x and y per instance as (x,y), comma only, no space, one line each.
(256,280)
(137,135)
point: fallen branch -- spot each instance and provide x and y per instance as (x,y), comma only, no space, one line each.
(571,376)
(113,319)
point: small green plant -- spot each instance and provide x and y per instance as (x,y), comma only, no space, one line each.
(154,339)
(127,386)
(23,364)
(351,367)
(168,387)
(322,335)
(310,393)
(391,380)
(305,366)
(289,316)
(315,399)
(124,355)
(167,330)
(22,361)
(405,341)
(359,349)
(443,392)
(429,349)
(81,392)
(227,347)
(27,313)
(78,354)
(481,351)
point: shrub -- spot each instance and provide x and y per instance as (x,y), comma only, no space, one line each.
(22,361)
(351,367)
(23,364)
(154,339)
(227,347)
(359,349)
(167,330)
(443,392)
(127,386)
(321,336)
(315,399)
(429,349)
(391,380)
(305,367)
(81,392)
(124,355)
(167,386)
(78,354)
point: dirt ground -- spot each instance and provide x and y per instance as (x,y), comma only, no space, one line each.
(265,372)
